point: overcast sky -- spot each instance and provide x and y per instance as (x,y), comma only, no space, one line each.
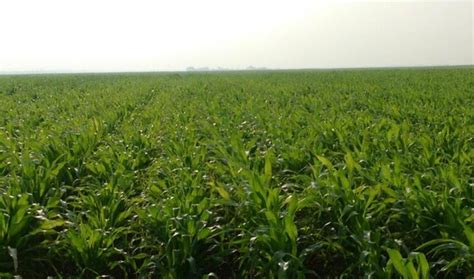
(139,35)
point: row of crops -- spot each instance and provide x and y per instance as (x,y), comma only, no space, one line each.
(365,173)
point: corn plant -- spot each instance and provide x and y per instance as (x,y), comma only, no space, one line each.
(288,174)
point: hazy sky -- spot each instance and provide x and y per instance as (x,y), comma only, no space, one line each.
(134,35)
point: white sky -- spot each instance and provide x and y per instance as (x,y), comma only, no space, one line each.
(140,35)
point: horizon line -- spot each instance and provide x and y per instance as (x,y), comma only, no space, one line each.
(222,70)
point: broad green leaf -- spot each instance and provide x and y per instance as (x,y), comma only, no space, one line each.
(224,194)
(469,235)
(326,162)
(397,261)
(411,270)
(424,266)
(268,167)
(271,217)
(51,224)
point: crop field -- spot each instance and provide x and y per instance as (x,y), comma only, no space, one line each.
(272,174)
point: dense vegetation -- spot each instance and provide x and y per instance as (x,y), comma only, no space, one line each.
(246,174)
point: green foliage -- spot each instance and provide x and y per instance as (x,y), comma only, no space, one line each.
(414,267)
(226,175)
